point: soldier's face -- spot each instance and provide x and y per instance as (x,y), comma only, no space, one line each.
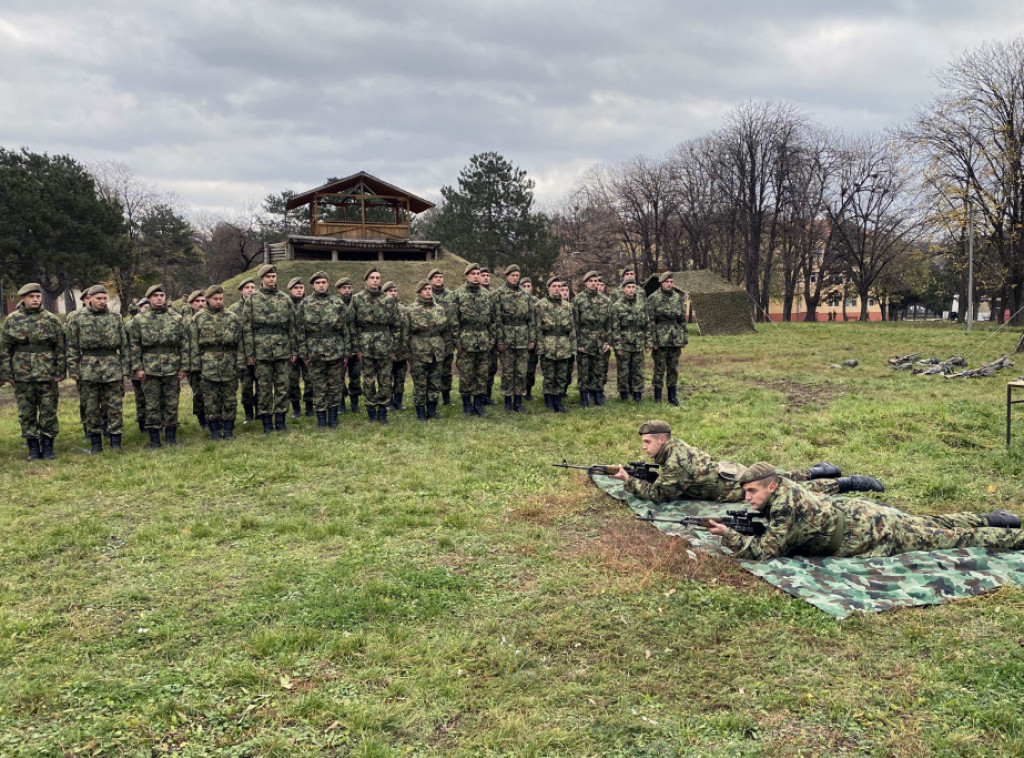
(653,443)
(630,289)
(473,277)
(345,290)
(247,290)
(564,288)
(485,278)
(320,286)
(629,274)
(757,493)
(299,290)
(528,286)
(216,300)
(32,299)
(591,284)
(144,307)
(158,299)
(668,284)
(99,301)
(426,293)
(198,303)
(269,281)
(513,278)
(373,281)
(392,293)
(555,289)
(601,287)
(437,280)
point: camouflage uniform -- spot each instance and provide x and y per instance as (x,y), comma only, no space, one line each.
(247,375)
(630,338)
(33,355)
(556,345)
(323,323)
(98,356)
(219,359)
(593,314)
(195,377)
(428,339)
(140,396)
(375,329)
(667,313)
(801,522)
(68,320)
(354,366)
(160,346)
(514,332)
(443,297)
(400,365)
(689,473)
(298,376)
(472,327)
(270,338)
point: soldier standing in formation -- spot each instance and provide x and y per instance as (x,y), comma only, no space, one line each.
(140,397)
(630,340)
(492,355)
(556,343)
(97,349)
(160,357)
(33,358)
(443,296)
(196,301)
(531,355)
(400,364)
(271,345)
(323,328)
(375,329)
(427,333)
(472,327)
(247,376)
(593,314)
(514,332)
(353,366)
(81,399)
(218,360)
(666,310)
(297,378)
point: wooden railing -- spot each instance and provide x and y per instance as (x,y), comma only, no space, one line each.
(360,231)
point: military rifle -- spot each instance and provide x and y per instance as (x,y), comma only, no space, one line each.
(636,469)
(740,521)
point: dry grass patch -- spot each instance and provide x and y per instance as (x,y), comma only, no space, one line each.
(798,395)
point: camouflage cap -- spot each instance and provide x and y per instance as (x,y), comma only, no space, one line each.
(193,295)
(756,472)
(484,270)
(244,282)
(294,281)
(471,268)
(213,289)
(434,272)
(421,284)
(665,277)
(655,426)
(389,286)
(154,289)
(373,270)
(96,289)
(554,280)
(525,280)
(29,288)
(591,275)
(266,268)
(317,276)
(344,281)
(511,269)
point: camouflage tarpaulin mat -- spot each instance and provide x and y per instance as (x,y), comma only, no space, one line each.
(841,586)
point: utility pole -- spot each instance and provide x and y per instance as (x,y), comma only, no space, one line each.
(970,262)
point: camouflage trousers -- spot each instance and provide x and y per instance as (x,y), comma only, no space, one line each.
(630,368)
(37,409)
(298,373)
(195,381)
(247,379)
(568,375)
(326,379)
(426,381)
(666,366)
(354,369)
(876,530)
(446,372)
(220,399)
(140,402)
(81,403)
(531,369)
(162,394)
(591,372)
(492,366)
(272,386)
(513,371)
(103,403)
(556,373)
(376,379)
(473,367)
(398,371)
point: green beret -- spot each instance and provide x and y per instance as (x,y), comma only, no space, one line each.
(294,281)
(525,280)
(434,272)
(142,301)
(28,289)
(244,282)
(266,268)
(591,275)
(96,289)
(471,268)
(756,472)
(655,426)
(421,284)
(318,275)
(342,282)
(389,286)
(213,289)
(511,269)
(371,271)
(665,277)
(154,289)
(194,294)
(484,270)
(552,280)
(628,280)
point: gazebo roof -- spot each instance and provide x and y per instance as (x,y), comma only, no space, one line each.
(371,182)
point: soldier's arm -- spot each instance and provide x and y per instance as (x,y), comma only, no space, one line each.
(296,337)
(6,370)
(74,350)
(248,333)
(125,351)
(60,354)
(775,542)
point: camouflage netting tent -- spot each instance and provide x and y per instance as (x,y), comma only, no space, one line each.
(719,307)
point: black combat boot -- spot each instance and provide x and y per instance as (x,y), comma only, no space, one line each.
(517,404)
(279,422)
(490,391)
(859,483)
(321,419)
(229,429)
(638,397)
(559,405)
(354,402)
(623,396)
(398,401)
(371,412)
(432,410)
(296,409)
(115,442)
(341,406)
(673,398)
(332,417)
(657,394)
(268,422)
(1003,519)
(33,449)
(46,448)
(201,418)
(446,398)
(154,438)
(215,427)
(479,402)
(599,397)
(142,426)
(421,412)
(584,399)
(824,471)
(382,414)
(508,403)
(549,403)
(250,413)
(467,405)
(96,440)
(529,393)
(309,408)
(171,433)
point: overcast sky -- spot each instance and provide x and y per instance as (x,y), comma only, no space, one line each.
(224,101)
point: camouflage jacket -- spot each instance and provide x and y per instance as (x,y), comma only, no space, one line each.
(218,352)
(443,296)
(376,323)
(472,321)
(513,317)
(268,326)
(158,343)
(32,346)
(402,339)
(688,473)
(349,315)
(427,330)
(630,333)
(593,313)
(97,346)
(617,294)
(667,313)
(556,329)
(323,323)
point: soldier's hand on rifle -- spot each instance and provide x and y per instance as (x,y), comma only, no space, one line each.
(621,474)
(717,529)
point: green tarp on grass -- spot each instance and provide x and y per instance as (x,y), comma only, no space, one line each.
(842,586)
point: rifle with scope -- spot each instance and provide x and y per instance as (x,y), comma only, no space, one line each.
(740,521)
(636,469)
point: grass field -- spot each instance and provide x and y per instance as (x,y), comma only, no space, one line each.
(440,589)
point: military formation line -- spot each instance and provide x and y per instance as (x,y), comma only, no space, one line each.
(322,348)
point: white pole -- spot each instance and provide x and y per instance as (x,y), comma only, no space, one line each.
(970,263)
